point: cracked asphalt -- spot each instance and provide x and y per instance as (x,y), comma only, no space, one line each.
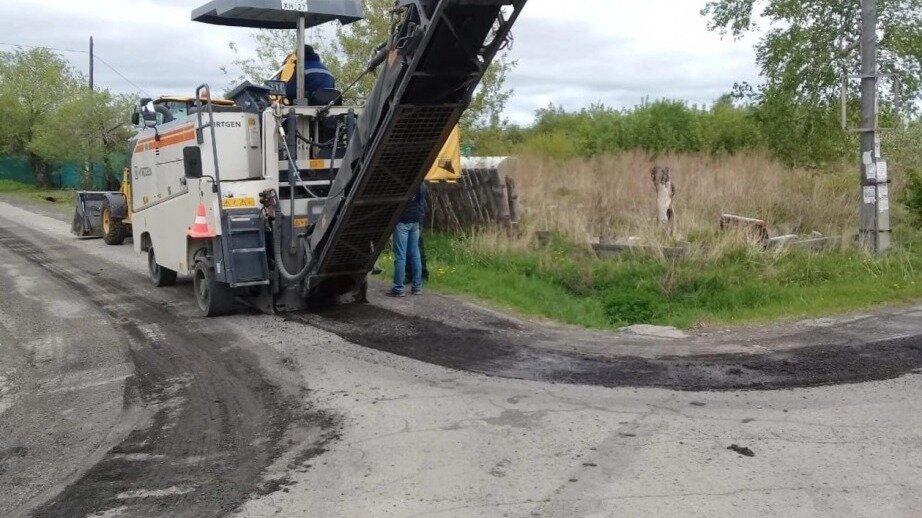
(336,415)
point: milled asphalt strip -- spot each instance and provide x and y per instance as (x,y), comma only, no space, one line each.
(498,353)
(211,401)
(63,372)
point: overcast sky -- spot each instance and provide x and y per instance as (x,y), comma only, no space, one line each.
(572,53)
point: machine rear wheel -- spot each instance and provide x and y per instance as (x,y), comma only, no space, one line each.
(113,230)
(159,275)
(214,297)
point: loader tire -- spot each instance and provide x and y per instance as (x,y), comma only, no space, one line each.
(214,298)
(159,275)
(114,231)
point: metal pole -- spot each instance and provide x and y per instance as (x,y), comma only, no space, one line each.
(91,63)
(300,68)
(875,181)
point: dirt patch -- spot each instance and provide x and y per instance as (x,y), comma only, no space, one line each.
(742,450)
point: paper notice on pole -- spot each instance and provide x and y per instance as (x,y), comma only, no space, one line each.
(877,145)
(869,194)
(883,198)
(870,171)
(294,5)
(882,171)
(867,158)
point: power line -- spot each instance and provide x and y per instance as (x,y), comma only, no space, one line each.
(43,47)
(95,56)
(106,63)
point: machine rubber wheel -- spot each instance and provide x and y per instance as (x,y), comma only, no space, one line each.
(214,298)
(113,230)
(159,275)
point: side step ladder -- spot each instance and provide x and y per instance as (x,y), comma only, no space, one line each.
(241,260)
(244,243)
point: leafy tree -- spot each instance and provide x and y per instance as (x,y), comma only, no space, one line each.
(89,127)
(806,47)
(33,85)
(809,44)
(346,51)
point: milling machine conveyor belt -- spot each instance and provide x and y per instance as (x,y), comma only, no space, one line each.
(439,53)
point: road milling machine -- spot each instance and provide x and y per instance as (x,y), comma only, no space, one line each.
(284,205)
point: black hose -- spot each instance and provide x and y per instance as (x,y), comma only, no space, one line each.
(279,263)
(335,149)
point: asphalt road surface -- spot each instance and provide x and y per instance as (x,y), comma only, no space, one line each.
(116,399)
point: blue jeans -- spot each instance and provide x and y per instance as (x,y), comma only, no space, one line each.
(406,247)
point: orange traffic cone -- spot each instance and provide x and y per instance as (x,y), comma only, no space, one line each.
(200,229)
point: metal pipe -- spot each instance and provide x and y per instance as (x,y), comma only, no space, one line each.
(294,174)
(299,70)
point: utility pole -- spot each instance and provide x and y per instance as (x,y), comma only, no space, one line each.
(874,234)
(92,62)
(88,165)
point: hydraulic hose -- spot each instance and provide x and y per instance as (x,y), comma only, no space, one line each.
(293,178)
(279,263)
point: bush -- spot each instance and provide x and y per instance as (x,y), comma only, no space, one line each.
(554,145)
(625,308)
(912,195)
(659,127)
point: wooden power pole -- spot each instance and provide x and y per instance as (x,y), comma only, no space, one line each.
(91,63)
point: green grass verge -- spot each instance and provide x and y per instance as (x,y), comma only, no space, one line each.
(13,186)
(569,285)
(30,192)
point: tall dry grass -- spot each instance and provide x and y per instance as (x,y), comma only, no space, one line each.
(613,197)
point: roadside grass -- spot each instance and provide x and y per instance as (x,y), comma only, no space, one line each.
(723,279)
(569,285)
(613,197)
(32,193)
(13,186)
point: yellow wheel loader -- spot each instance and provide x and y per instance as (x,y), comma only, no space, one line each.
(105,214)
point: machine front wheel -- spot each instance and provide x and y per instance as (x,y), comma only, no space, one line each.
(214,297)
(114,231)
(159,275)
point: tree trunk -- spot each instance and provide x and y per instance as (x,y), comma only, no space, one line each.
(665,192)
(40,170)
(87,181)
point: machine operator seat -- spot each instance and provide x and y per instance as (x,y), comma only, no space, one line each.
(325,96)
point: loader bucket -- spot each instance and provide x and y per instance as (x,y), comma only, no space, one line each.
(88,214)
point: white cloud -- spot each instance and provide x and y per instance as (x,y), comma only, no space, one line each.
(617,53)
(570,53)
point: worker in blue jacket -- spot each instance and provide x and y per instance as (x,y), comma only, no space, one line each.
(406,245)
(316,76)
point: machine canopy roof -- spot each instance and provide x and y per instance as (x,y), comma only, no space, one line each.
(277,14)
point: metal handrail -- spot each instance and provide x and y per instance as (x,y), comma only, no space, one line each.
(214,142)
